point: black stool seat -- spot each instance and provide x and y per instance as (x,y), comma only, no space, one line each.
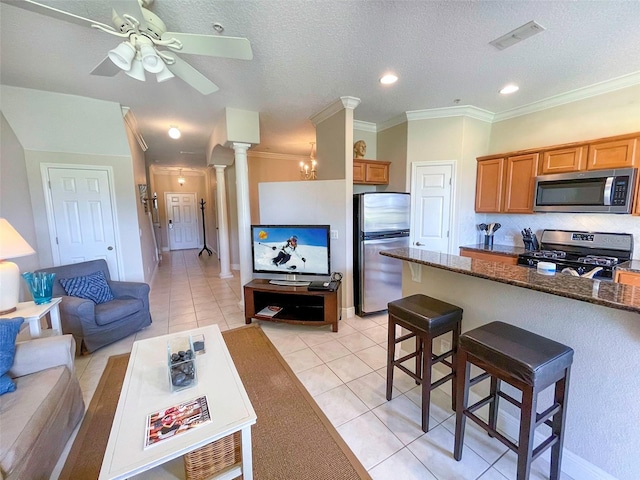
(427,314)
(528,362)
(426,318)
(526,356)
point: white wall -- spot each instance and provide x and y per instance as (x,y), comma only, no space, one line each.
(67,129)
(319,202)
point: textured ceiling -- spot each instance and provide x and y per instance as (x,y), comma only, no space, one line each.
(309,53)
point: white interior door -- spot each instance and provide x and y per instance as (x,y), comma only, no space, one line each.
(432,199)
(182,219)
(81,216)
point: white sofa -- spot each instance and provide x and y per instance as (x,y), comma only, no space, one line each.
(39,417)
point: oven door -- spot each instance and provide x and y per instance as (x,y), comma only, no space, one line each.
(604,191)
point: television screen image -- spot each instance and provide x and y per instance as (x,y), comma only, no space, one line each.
(291,249)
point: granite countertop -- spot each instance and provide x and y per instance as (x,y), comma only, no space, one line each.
(599,292)
(508,250)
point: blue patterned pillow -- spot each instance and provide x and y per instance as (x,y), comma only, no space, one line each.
(8,332)
(92,287)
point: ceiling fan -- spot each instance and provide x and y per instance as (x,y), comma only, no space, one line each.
(147,46)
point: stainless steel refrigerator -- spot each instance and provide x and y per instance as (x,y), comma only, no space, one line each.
(380,221)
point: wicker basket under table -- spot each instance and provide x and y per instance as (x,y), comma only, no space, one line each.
(209,460)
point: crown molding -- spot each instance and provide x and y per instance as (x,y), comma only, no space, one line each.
(365,126)
(457,111)
(392,122)
(594,90)
(332,109)
(130,120)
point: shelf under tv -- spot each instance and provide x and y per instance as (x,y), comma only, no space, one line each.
(299,305)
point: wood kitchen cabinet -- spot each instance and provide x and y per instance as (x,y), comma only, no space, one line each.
(370,172)
(490,257)
(489,181)
(564,160)
(613,154)
(506,184)
(628,278)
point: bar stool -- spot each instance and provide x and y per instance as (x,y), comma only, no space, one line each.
(426,318)
(528,362)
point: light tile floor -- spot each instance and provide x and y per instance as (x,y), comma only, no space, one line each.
(345,372)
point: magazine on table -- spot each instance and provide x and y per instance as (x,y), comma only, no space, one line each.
(269,311)
(177,419)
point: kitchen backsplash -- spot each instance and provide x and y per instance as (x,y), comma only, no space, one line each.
(509,234)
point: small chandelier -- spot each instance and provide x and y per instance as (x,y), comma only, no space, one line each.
(309,172)
(180,178)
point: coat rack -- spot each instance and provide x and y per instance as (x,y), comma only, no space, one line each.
(204,230)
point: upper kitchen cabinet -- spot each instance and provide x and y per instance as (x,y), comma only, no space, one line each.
(564,160)
(370,172)
(489,180)
(506,184)
(622,153)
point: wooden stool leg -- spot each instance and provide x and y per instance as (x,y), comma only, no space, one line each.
(463,370)
(427,365)
(493,406)
(454,366)
(557,424)
(391,351)
(420,352)
(527,431)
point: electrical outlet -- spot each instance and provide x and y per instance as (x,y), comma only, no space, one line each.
(334,234)
(445,345)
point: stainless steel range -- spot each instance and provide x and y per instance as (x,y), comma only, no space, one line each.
(588,254)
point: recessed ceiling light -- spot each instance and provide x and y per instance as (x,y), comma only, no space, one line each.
(388,79)
(174,132)
(509,89)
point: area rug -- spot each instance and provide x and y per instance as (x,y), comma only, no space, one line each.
(292,438)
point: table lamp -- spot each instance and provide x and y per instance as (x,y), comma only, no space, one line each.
(12,245)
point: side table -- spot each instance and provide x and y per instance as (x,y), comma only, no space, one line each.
(32,314)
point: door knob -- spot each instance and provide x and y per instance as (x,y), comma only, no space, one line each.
(109,248)
(418,244)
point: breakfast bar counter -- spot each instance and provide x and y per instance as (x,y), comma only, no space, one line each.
(600,292)
(597,318)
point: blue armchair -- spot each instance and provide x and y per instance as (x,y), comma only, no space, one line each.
(95,325)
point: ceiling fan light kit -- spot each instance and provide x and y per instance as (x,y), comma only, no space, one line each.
(145,33)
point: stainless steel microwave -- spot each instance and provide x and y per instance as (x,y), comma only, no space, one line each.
(598,191)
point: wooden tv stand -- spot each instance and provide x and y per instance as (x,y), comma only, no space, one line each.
(299,304)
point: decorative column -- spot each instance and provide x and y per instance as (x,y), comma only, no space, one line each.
(223,223)
(244,214)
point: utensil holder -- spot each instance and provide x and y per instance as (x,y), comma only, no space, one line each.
(40,285)
(488,240)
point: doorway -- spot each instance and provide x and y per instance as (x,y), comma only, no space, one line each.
(182,220)
(432,193)
(79,201)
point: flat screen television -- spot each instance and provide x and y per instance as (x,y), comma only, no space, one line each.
(291,250)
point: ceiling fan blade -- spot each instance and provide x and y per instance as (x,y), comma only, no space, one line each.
(192,76)
(213,45)
(54,13)
(129,7)
(106,68)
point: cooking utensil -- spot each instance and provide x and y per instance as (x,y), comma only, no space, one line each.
(571,271)
(591,273)
(483,227)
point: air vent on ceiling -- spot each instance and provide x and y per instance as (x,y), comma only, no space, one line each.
(521,33)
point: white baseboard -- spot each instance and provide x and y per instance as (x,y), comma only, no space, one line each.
(235,266)
(348,312)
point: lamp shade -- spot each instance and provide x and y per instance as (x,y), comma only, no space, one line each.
(123,55)
(12,245)
(151,61)
(164,74)
(137,70)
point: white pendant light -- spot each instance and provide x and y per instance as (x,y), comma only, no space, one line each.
(164,74)
(181,179)
(151,61)
(137,70)
(123,55)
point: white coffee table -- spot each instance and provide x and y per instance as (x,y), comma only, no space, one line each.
(146,389)
(33,313)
